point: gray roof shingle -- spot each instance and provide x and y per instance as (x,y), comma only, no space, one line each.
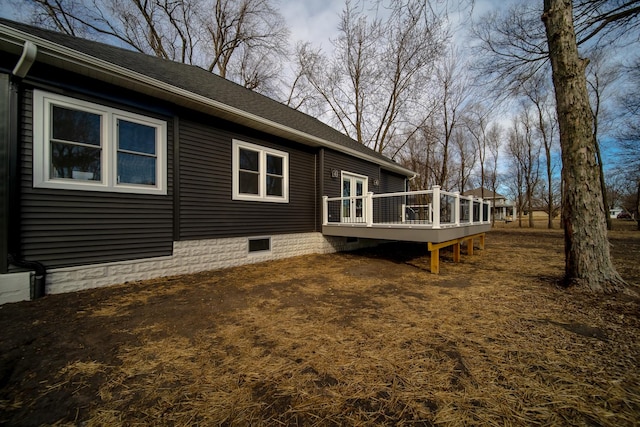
(198,81)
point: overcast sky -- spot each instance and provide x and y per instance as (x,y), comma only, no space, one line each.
(316,21)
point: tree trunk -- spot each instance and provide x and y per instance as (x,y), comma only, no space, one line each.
(587,257)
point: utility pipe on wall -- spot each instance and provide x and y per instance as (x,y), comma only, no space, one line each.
(20,71)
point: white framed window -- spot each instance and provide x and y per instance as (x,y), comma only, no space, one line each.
(260,173)
(80,145)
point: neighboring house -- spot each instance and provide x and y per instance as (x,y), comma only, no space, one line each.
(501,208)
(614,212)
(117,166)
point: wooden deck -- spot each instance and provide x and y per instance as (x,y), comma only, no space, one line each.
(435,217)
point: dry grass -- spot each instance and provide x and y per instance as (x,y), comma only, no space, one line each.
(368,338)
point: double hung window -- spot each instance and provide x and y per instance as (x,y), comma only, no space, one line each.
(80,145)
(260,173)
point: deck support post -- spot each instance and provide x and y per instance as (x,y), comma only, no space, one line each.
(434,248)
(435,261)
(456,252)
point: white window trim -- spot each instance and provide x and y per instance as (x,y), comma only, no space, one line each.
(42,102)
(262,168)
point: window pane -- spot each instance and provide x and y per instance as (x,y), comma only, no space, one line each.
(274,186)
(248,182)
(75,162)
(248,160)
(135,169)
(136,137)
(274,165)
(76,126)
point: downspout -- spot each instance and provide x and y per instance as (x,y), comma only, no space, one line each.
(20,71)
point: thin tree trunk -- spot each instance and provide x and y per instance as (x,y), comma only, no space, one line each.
(603,185)
(587,258)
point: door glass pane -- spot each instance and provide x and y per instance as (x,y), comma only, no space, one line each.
(359,202)
(346,192)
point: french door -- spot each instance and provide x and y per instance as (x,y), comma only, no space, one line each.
(353,209)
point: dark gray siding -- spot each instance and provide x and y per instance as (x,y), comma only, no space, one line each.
(206,206)
(62,228)
(343,162)
(388,182)
(391,182)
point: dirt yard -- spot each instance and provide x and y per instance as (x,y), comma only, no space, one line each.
(357,339)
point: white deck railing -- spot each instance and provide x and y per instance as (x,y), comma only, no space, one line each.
(427,208)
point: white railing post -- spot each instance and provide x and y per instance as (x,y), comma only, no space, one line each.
(436,206)
(488,211)
(325,210)
(481,210)
(403,213)
(471,206)
(456,209)
(369,208)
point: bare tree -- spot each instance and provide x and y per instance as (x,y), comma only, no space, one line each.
(420,155)
(601,75)
(629,143)
(466,158)
(524,150)
(588,261)
(482,131)
(249,32)
(521,49)
(537,92)
(374,83)
(241,40)
(453,93)
(494,142)
(516,181)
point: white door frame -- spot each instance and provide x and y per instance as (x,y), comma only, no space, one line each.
(353,211)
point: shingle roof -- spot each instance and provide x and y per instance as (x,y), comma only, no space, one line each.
(478,192)
(198,81)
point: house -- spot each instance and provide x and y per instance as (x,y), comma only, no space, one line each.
(117,166)
(501,208)
(615,211)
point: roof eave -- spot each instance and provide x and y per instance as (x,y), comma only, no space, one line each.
(68,59)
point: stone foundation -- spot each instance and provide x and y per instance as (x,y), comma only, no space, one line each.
(194,256)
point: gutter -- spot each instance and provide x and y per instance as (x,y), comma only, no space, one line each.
(12,174)
(58,52)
